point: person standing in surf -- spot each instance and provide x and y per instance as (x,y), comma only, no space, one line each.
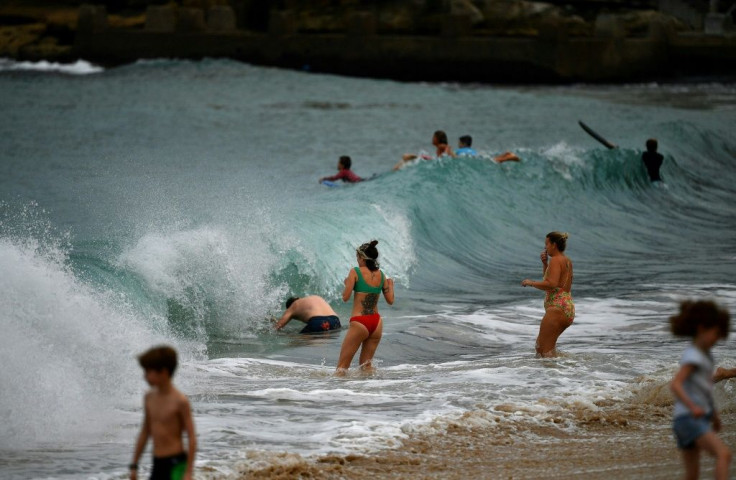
(652,160)
(365,283)
(559,309)
(694,412)
(167,416)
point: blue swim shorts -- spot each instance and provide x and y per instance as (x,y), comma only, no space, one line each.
(321,324)
(688,429)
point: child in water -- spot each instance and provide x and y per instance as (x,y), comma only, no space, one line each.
(166,416)
(464,147)
(692,386)
(343,172)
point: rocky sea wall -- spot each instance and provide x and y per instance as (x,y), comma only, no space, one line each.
(510,41)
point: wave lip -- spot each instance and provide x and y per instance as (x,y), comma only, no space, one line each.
(80,67)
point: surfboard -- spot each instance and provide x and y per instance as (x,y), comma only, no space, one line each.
(328,183)
(595,135)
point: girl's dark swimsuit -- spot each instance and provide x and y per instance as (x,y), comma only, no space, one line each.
(321,323)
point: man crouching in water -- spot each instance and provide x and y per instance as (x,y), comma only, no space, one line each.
(312,310)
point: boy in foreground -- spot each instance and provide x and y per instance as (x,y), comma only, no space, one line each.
(166,415)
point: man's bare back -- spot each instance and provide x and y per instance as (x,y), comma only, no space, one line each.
(304,309)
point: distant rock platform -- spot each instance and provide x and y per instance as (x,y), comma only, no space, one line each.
(500,41)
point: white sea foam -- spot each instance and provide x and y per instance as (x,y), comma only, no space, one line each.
(80,67)
(210,275)
(68,352)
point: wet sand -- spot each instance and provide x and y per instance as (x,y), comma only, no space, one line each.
(610,440)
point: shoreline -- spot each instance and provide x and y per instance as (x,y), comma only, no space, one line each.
(629,439)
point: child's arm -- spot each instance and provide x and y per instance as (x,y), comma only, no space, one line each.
(140,445)
(188,422)
(679,391)
(334,178)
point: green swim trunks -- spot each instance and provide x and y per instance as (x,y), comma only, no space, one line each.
(169,468)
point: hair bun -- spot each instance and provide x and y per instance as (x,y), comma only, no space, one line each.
(373,243)
(564,236)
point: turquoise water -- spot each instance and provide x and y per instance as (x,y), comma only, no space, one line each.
(178,202)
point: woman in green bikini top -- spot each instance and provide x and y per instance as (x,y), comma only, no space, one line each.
(361,286)
(364,283)
(557,282)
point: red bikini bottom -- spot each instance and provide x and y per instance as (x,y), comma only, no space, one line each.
(368,321)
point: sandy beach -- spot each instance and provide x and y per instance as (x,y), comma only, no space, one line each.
(627,440)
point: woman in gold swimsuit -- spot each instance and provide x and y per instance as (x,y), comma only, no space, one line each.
(557,282)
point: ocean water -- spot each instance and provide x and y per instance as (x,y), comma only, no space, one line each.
(177,202)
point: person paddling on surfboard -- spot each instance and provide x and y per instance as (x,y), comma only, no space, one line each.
(343,172)
(442,148)
(464,147)
(506,157)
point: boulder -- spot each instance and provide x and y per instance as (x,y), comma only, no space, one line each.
(191,20)
(456,25)
(361,24)
(282,23)
(609,25)
(221,18)
(92,19)
(519,17)
(466,8)
(15,37)
(717,23)
(161,18)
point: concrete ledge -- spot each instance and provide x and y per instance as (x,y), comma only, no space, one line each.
(361,24)
(160,19)
(191,20)
(282,23)
(717,23)
(221,18)
(552,56)
(457,25)
(609,26)
(92,19)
